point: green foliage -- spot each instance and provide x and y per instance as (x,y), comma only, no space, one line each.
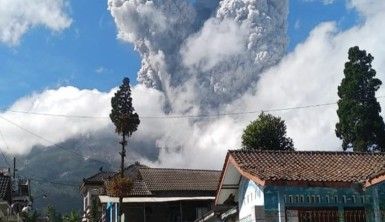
(53,216)
(122,113)
(29,217)
(266,133)
(73,216)
(360,125)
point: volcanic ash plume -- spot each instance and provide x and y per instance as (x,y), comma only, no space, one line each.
(208,52)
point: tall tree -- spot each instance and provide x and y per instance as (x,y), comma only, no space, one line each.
(360,125)
(126,122)
(266,133)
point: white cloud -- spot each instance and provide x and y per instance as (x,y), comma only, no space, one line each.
(18,16)
(101,69)
(308,75)
(67,101)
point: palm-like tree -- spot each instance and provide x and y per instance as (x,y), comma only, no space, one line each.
(73,216)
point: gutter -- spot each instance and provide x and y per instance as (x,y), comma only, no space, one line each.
(108,199)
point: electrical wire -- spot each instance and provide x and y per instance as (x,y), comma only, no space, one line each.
(2,153)
(182,116)
(50,142)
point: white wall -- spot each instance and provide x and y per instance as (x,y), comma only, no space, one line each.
(250,196)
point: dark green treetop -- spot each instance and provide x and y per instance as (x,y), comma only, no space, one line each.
(122,114)
(266,133)
(360,125)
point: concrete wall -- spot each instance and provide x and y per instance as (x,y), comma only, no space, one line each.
(251,201)
(271,203)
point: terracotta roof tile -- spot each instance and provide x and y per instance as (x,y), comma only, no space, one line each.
(140,188)
(165,182)
(310,166)
(163,179)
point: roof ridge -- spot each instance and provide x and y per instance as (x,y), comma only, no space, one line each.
(185,169)
(307,152)
(98,173)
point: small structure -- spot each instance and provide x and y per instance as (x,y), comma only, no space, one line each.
(21,195)
(283,186)
(161,194)
(90,189)
(5,197)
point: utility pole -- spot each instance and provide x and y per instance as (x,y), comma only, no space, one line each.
(123,154)
(14,167)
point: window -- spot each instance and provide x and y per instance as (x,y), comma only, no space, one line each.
(301,199)
(362,199)
(312,199)
(344,200)
(335,199)
(290,199)
(327,199)
(296,199)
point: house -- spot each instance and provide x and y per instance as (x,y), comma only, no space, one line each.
(90,189)
(21,195)
(281,186)
(162,194)
(5,197)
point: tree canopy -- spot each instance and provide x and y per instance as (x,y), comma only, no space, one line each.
(360,125)
(126,121)
(266,133)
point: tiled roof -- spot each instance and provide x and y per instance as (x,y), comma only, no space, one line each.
(99,177)
(140,188)
(5,183)
(163,179)
(166,182)
(344,167)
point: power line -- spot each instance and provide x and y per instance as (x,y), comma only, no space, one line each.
(57,115)
(212,115)
(55,182)
(42,180)
(2,153)
(175,116)
(50,142)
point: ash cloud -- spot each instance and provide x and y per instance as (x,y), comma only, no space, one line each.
(209,52)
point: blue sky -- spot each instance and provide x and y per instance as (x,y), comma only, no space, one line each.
(88,54)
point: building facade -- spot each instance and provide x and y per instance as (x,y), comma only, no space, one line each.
(281,186)
(90,189)
(157,195)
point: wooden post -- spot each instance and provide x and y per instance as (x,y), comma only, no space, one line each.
(14,167)
(144,212)
(180,211)
(123,155)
